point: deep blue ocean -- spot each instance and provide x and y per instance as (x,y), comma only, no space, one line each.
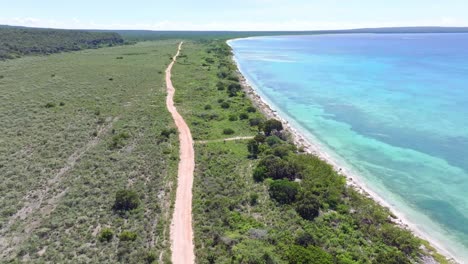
(393,108)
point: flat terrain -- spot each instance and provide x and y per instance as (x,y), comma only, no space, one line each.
(76,128)
(296,210)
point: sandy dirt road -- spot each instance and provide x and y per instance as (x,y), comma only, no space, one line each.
(181,226)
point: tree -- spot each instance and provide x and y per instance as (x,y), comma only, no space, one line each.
(308,206)
(252,147)
(272,124)
(126,200)
(278,168)
(284,191)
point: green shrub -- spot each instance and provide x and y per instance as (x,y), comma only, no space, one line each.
(167,132)
(282,150)
(273,141)
(62,104)
(260,138)
(278,168)
(225,105)
(255,122)
(308,206)
(272,124)
(220,86)
(391,257)
(259,173)
(252,147)
(253,199)
(151,257)
(251,109)
(233,118)
(208,107)
(126,200)
(106,235)
(309,255)
(127,236)
(118,140)
(243,116)
(233,89)
(284,191)
(228,131)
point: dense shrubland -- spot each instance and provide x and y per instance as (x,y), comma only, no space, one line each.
(17,42)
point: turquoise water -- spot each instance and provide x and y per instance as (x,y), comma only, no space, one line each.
(393,108)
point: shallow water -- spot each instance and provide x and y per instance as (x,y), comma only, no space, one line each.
(394,108)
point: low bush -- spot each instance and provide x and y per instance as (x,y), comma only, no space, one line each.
(208,107)
(225,105)
(243,116)
(256,122)
(167,132)
(126,200)
(127,236)
(233,118)
(228,131)
(251,109)
(106,235)
(118,141)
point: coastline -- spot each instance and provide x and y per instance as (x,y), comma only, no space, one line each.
(352,179)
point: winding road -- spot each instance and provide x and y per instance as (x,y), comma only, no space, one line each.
(181,226)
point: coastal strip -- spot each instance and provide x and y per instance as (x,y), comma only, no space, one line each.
(181,227)
(310,147)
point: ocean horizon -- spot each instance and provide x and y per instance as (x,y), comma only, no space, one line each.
(390,108)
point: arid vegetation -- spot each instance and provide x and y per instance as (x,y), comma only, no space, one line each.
(88,156)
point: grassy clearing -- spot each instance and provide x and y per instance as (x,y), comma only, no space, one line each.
(298,210)
(206,109)
(77,128)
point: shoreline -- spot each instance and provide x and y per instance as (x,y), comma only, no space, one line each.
(352,180)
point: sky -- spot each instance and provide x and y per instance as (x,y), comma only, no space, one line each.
(232,14)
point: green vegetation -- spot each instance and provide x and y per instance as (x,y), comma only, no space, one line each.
(106,235)
(89,154)
(262,200)
(126,200)
(71,140)
(127,236)
(16,41)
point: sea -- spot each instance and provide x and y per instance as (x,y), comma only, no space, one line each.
(391,108)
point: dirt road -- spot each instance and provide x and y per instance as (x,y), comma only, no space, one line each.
(181,226)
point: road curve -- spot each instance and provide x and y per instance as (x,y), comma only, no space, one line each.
(181,226)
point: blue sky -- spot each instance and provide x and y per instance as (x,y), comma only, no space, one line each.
(233,14)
